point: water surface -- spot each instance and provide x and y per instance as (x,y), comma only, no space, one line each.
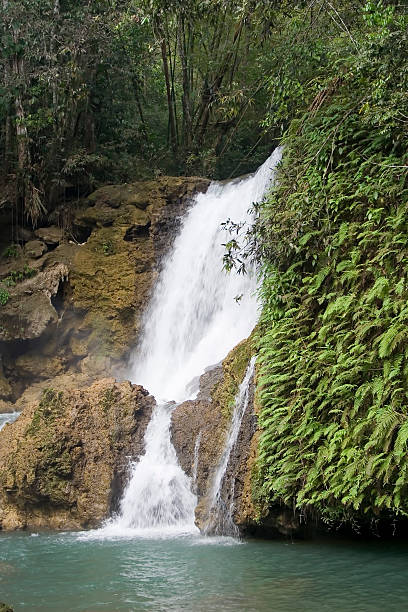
(74,572)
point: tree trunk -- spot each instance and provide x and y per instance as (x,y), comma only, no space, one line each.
(53,52)
(23,152)
(166,72)
(8,136)
(210,91)
(186,99)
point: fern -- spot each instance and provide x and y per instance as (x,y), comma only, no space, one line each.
(333,342)
(391,339)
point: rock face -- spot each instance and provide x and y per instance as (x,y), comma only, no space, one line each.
(30,312)
(199,431)
(63,463)
(72,299)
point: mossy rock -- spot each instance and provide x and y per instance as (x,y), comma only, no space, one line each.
(234,368)
(53,455)
(136,194)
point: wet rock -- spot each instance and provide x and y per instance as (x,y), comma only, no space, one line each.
(199,432)
(199,427)
(65,460)
(5,387)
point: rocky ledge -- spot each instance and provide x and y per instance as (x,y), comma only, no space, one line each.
(64,462)
(72,293)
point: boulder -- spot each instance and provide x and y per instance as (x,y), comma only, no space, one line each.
(50,235)
(64,462)
(34,249)
(199,429)
(29,310)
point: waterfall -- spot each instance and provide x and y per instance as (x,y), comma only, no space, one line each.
(220,516)
(8,417)
(192,322)
(195,460)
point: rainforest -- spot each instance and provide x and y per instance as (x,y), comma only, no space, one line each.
(203,305)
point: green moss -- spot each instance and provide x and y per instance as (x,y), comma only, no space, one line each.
(18,276)
(11,252)
(234,367)
(109,399)
(50,406)
(53,467)
(4,295)
(108,248)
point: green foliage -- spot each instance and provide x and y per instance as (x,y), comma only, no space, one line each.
(4,296)
(11,252)
(333,241)
(103,91)
(108,248)
(18,276)
(109,399)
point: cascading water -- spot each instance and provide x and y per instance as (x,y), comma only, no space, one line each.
(220,516)
(8,417)
(193,321)
(195,460)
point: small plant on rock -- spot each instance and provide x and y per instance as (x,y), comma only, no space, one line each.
(11,252)
(18,276)
(4,296)
(107,248)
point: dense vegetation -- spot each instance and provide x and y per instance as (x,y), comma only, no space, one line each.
(333,241)
(114,90)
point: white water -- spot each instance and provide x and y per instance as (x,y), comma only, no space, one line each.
(220,516)
(195,460)
(8,417)
(193,321)
(159,493)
